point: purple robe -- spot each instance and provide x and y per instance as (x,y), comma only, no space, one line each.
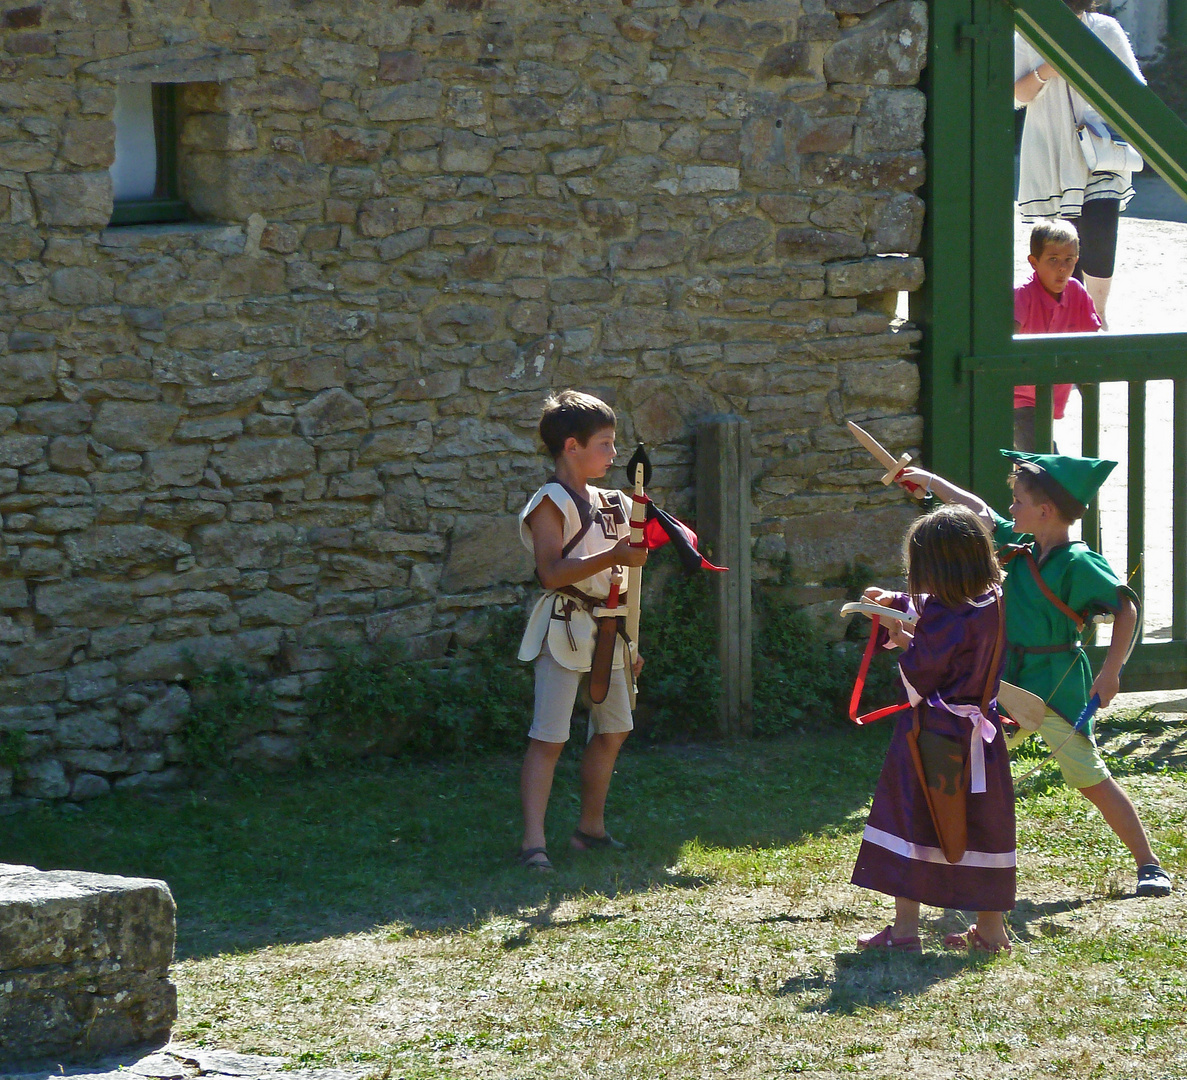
(900,854)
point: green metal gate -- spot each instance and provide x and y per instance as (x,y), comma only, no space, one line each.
(971,360)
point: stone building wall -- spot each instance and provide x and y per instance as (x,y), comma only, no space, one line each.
(310,413)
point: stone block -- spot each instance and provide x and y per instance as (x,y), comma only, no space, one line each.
(76,285)
(645,328)
(419,100)
(89,142)
(886,384)
(116,549)
(332,411)
(485,551)
(26,377)
(737,238)
(788,61)
(465,152)
(97,730)
(269,608)
(166,715)
(892,120)
(246,547)
(649,250)
(388,444)
(896,224)
(249,461)
(41,779)
(811,245)
(177,466)
(888,48)
(232,188)
(824,545)
(135,425)
(56,417)
(20,450)
(82,198)
(84,962)
(191,62)
(88,786)
(888,273)
(339,143)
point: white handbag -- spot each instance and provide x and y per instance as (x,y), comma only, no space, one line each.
(1103,148)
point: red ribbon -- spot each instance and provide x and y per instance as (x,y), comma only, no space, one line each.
(859,683)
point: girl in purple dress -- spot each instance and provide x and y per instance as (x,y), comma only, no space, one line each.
(951,668)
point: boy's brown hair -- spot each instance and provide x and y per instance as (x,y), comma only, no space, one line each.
(573,414)
(1041,486)
(1052,232)
(949,555)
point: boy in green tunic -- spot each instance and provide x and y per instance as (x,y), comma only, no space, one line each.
(1054,586)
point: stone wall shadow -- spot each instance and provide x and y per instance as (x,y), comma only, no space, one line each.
(427,846)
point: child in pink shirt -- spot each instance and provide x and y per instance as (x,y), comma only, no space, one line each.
(1051,302)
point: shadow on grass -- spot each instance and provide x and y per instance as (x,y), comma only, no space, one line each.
(1030,921)
(876,980)
(422,846)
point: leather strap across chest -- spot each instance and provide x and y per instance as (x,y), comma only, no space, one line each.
(1012,551)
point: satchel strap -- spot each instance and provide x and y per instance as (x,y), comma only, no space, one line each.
(998,645)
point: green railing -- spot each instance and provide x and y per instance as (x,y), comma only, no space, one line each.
(971,360)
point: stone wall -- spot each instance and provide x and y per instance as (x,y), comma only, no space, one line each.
(310,413)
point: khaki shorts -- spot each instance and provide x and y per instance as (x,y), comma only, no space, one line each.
(556,694)
(1079,760)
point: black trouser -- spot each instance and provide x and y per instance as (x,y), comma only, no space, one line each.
(1097,228)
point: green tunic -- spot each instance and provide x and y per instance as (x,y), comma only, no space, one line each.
(1083,580)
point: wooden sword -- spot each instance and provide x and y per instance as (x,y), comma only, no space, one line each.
(894,466)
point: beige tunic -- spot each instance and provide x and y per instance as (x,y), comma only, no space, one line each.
(588,530)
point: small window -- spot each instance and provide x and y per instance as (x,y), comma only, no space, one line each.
(144,173)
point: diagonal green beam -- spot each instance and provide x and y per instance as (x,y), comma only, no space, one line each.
(1086,62)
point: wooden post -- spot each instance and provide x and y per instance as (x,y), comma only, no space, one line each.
(723,524)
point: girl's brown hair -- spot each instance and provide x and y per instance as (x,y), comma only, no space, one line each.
(949,555)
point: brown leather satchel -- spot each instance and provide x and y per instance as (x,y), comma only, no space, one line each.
(943,766)
(603,657)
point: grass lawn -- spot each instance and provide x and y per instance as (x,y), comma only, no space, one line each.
(372,918)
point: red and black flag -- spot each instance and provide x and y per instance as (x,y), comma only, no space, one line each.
(660,527)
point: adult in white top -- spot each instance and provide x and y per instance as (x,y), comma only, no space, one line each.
(1054,180)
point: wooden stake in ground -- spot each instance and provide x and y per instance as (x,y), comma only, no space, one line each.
(639,470)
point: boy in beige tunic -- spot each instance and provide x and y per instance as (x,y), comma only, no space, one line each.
(579,535)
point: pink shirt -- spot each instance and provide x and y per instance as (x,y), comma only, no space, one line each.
(1036,311)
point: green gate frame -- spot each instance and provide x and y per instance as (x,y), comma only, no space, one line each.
(971,360)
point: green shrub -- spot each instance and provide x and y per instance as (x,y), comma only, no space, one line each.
(378,700)
(801,677)
(12,748)
(225,703)
(681,678)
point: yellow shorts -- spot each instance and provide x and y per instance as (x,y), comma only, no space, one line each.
(1079,760)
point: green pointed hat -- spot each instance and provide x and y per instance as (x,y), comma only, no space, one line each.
(1080,477)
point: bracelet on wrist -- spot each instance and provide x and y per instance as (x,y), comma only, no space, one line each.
(927,490)
(1042,81)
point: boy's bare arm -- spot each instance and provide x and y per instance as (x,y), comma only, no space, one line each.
(1108,682)
(556,570)
(946,491)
